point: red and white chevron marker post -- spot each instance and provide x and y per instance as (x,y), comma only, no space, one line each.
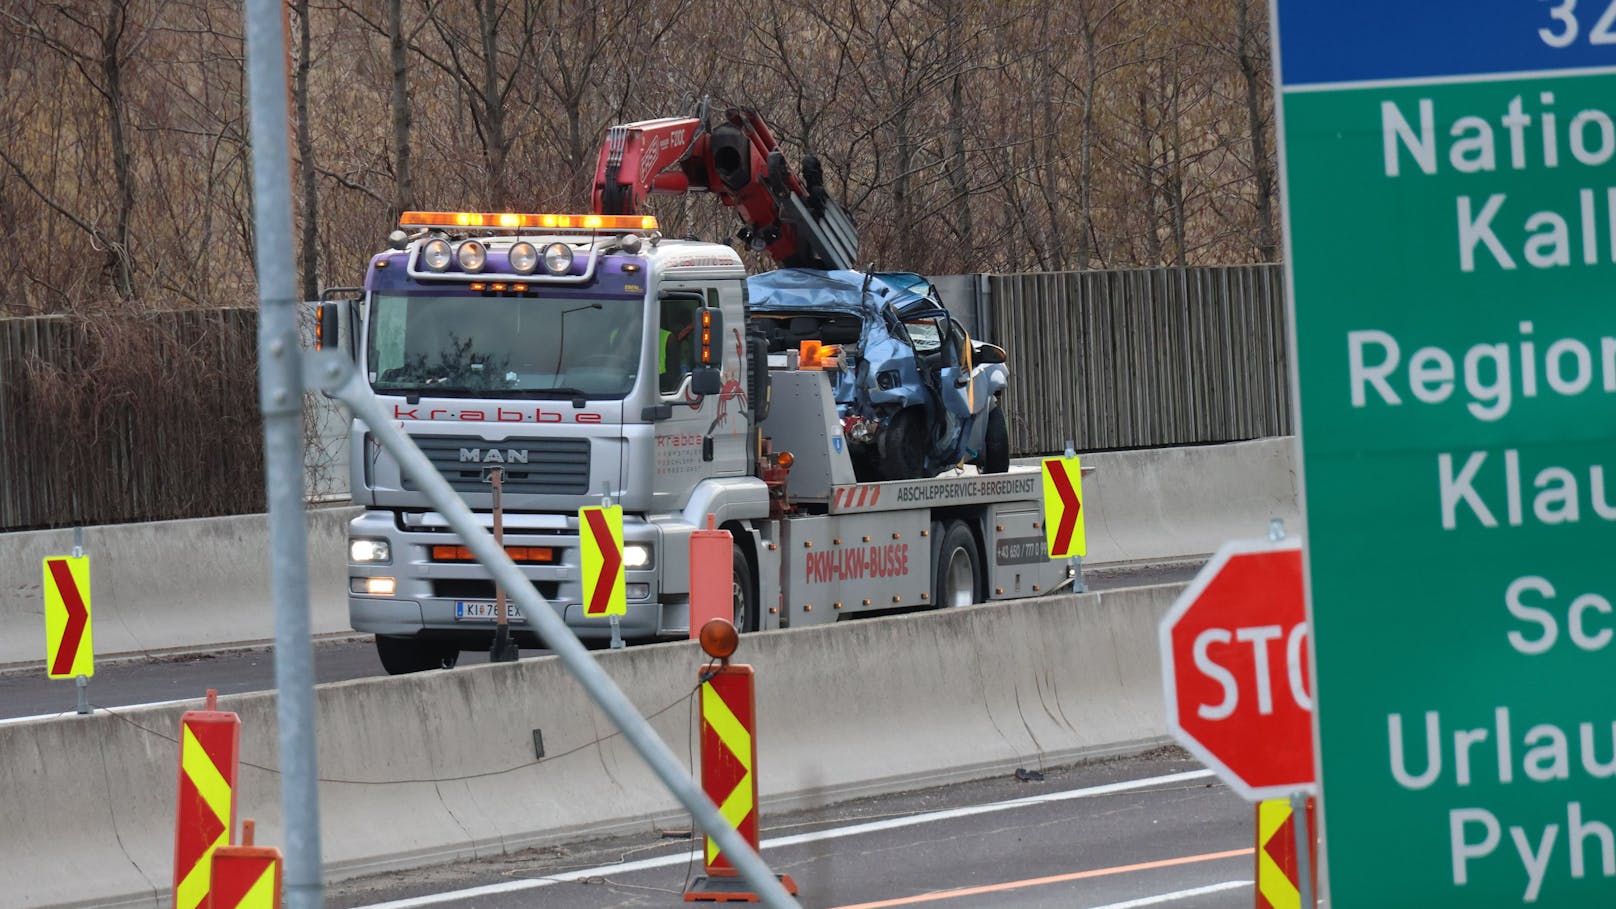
(728,764)
(246,876)
(205,815)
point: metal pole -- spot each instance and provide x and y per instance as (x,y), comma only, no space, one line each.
(1299,822)
(1076,562)
(617,631)
(82,682)
(280,386)
(503,649)
(1304,858)
(337,375)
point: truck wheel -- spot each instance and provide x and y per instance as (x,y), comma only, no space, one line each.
(744,591)
(405,655)
(901,449)
(958,567)
(996,444)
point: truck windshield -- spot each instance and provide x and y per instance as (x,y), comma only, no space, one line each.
(469,345)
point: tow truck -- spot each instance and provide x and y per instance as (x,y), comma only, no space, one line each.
(573,359)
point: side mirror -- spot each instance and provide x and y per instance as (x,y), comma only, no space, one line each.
(327,328)
(983,352)
(706,380)
(336,320)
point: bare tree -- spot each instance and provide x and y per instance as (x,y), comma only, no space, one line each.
(305,155)
(398,56)
(1250,51)
(485,72)
(98,43)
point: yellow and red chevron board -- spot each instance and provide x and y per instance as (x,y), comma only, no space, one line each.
(1278,886)
(69,647)
(728,756)
(246,877)
(205,816)
(600,535)
(1063,508)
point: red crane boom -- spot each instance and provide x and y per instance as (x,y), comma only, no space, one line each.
(738,160)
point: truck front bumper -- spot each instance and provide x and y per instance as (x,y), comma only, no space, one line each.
(432,597)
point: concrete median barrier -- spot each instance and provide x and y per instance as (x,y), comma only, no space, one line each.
(442,765)
(185,584)
(171,584)
(1174,503)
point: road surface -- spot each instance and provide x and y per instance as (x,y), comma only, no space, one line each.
(1156,830)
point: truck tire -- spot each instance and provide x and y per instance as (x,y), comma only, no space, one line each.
(957,566)
(744,591)
(901,449)
(996,444)
(406,655)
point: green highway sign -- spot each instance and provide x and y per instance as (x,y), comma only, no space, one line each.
(1450,203)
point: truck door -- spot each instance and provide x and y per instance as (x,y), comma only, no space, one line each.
(706,434)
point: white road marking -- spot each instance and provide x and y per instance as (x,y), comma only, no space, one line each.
(73,713)
(663,861)
(1160,898)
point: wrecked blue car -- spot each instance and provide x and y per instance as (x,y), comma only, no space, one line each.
(915,394)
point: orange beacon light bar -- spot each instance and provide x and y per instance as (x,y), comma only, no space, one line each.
(450,220)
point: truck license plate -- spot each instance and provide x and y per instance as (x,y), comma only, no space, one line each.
(485,612)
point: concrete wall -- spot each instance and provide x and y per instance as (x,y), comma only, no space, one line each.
(206,582)
(440,765)
(170,584)
(1174,503)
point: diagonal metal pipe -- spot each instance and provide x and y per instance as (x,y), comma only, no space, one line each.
(332,371)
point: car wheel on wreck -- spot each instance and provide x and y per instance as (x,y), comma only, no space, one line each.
(901,449)
(995,456)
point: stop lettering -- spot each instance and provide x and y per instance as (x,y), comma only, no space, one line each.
(1235,673)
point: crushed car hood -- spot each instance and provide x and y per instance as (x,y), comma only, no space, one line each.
(793,289)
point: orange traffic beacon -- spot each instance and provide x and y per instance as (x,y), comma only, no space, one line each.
(205,816)
(246,876)
(728,764)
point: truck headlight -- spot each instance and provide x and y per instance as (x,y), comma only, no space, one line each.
(471,255)
(636,555)
(558,258)
(436,254)
(369,551)
(524,258)
(375,587)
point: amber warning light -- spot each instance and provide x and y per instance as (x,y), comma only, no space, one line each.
(522,555)
(449,220)
(719,639)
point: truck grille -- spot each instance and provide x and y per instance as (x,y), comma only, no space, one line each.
(476,589)
(532,466)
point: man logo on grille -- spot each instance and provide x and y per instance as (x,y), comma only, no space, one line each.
(493,456)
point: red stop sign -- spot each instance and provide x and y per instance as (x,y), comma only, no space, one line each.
(1235,669)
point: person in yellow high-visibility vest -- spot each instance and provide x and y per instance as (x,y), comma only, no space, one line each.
(678,324)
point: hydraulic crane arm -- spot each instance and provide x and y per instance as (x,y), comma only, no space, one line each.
(738,160)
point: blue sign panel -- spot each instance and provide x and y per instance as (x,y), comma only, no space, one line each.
(1371,40)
